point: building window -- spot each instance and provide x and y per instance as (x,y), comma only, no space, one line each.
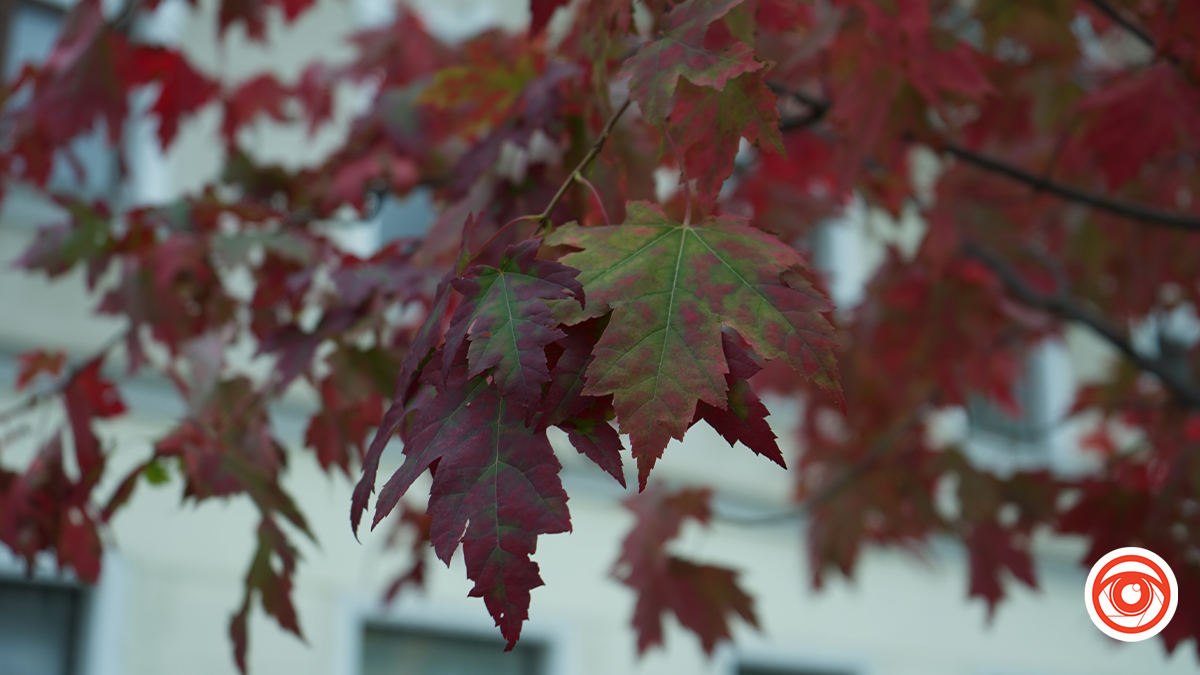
(783,670)
(40,628)
(389,650)
(28,31)
(1025,427)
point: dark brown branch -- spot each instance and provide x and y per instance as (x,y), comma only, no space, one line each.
(1172,219)
(1070,309)
(1179,221)
(1116,17)
(817,108)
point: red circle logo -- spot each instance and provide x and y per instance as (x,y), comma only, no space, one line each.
(1131,594)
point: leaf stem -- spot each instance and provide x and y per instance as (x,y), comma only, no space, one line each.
(544,217)
(596,194)
(687,185)
(492,238)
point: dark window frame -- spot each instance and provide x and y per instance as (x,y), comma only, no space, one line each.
(539,651)
(8,11)
(80,599)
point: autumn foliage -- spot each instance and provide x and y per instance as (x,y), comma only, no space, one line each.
(1049,150)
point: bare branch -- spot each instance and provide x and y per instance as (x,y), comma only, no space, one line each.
(36,398)
(1172,219)
(1179,221)
(1072,310)
(592,152)
(543,218)
(1111,12)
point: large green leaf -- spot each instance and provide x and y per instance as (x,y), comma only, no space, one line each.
(504,315)
(671,287)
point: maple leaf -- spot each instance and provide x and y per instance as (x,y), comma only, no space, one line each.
(341,425)
(273,587)
(261,95)
(403,52)
(87,396)
(496,489)
(420,523)
(745,417)
(43,509)
(86,237)
(679,52)
(226,448)
(584,418)
(33,363)
(708,126)
(182,90)
(541,11)
(352,404)
(508,324)
(671,287)
(702,597)
(992,549)
(422,349)
(1138,118)
(253,14)
(89,62)
(487,87)
(315,93)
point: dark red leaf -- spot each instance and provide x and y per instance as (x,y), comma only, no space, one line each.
(495,490)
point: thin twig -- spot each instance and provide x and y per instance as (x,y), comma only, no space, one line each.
(492,238)
(1111,12)
(1179,221)
(544,218)
(687,187)
(1070,309)
(1172,219)
(596,194)
(32,401)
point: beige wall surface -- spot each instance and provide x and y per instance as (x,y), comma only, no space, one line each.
(175,574)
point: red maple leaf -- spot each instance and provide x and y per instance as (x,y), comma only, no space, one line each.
(680,52)
(495,488)
(704,598)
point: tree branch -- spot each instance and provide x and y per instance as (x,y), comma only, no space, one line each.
(1179,221)
(1116,17)
(1172,219)
(31,401)
(543,218)
(592,152)
(817,108)
(1068,308)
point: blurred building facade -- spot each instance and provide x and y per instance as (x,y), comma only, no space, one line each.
(174,574)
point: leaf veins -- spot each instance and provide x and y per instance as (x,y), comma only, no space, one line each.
(671,287)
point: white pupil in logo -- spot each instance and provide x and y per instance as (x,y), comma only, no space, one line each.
(1132,594)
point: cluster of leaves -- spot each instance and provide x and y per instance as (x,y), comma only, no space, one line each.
(557,289)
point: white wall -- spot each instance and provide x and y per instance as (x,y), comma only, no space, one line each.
(181,568)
